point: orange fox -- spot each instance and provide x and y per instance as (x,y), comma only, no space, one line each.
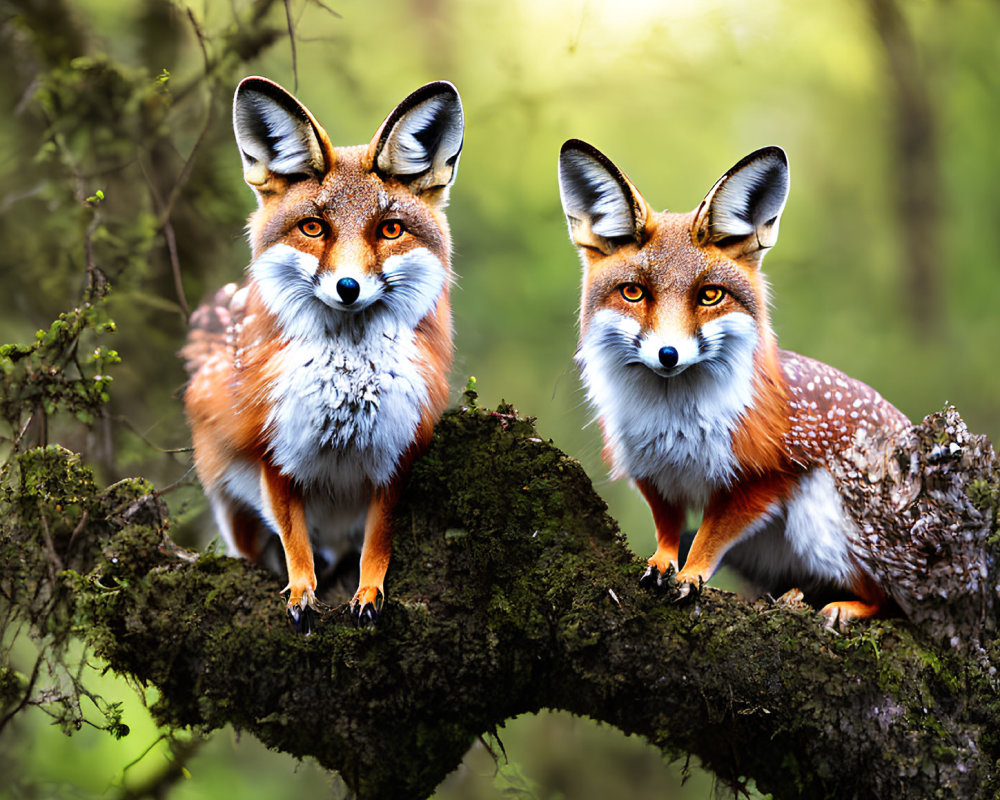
(316,384)
(697,403)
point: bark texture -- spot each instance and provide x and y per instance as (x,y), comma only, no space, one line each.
(511,590)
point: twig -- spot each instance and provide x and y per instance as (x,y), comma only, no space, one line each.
(327,9)
(27,694)
(175,268)
(291,41)
(54,560)
(128,424)
(77,529)
(175,485)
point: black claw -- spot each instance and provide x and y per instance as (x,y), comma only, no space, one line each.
(303,619)
(649,578)
(688,590)
(652,578)
(366,615)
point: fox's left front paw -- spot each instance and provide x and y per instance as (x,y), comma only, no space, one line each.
(367,605)
(689,585)
(652,578)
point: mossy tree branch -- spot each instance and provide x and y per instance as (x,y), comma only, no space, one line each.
(511,590)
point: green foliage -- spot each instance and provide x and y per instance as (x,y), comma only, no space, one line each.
(103,159)
(58,371)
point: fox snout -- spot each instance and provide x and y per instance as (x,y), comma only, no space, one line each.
(347,289)
(668,355)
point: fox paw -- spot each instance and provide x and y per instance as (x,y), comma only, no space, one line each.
(367,605)
(303,610)
(303,619)
(688,586)
(653,578)
(842,612)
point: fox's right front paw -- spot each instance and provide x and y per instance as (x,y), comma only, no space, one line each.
(303,618)
(302,610)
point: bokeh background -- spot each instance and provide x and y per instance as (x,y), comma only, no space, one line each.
(886,266)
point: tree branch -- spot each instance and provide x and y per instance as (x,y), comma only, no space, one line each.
(511,590)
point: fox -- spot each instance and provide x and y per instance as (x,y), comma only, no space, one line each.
(697,404)
(315,384)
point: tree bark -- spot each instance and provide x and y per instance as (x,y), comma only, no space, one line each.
(511,590)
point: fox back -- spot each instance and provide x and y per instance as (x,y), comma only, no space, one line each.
(317,381)
(696,402)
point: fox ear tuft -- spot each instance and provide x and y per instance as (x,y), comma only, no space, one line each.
(603,210)
(743,209)
(276,134)
(420,142)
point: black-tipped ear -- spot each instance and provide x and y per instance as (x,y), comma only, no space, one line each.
(603,210)
(421,140)
(276,134)
(743,209)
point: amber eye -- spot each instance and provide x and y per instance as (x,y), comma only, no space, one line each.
(312,227)
(390,229)
(710,295)
(633,292)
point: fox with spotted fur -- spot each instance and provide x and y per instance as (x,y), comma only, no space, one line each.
(698,405)
(317,382)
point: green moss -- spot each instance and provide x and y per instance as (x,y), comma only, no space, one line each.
(13,685)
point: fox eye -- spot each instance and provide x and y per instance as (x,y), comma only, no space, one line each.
(390,229)
(312,227)
(710,295)
(632,292)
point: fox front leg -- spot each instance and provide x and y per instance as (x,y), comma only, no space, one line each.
(284,506)
(367,602)
(730,515)
(668,518)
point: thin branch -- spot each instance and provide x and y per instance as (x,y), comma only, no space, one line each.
(327,9)
(55,563)
(27,693)
(175,268)
(291,41)
(176,484)
(134,430)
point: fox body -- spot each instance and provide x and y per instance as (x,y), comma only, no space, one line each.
(697,403)
(316,383)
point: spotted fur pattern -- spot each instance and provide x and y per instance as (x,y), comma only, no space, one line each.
(697,403)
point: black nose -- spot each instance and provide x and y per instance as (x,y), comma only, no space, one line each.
(669,357)
(349,289)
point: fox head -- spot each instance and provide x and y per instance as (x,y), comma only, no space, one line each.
(675,342)
(343,235)
(673,292)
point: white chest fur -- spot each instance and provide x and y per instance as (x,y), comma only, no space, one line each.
(346,407)
(676,432)
(349,395)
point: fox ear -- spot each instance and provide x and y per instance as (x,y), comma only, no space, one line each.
(420,142)
(276,134)
(742,211)
(603,209)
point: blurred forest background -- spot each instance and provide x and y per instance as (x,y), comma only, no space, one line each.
(117,162)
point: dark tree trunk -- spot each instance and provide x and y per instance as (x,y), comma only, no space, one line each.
(916,170)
